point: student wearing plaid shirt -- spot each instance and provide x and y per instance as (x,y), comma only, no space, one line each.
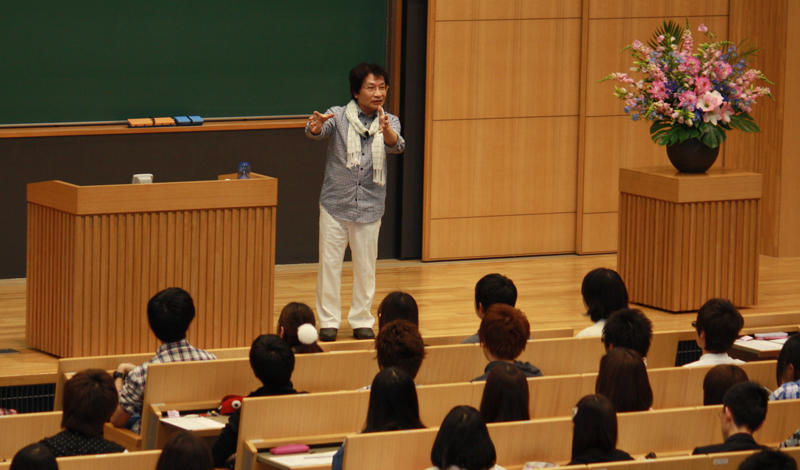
(788,370)
(169,313)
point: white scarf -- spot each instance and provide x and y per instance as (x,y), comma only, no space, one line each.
(354,132)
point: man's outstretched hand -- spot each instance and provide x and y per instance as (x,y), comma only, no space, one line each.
(316,120)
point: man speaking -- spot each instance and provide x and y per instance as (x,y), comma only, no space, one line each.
(352,198)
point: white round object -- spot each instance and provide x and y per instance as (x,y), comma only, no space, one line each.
(307,334)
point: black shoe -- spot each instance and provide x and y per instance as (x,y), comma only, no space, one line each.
(327,334)
(363,333)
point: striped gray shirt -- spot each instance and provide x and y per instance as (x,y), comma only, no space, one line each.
(349,193)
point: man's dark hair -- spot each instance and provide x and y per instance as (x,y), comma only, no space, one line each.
(505,395)
(721,323)
(272,361)
(628,328)
(768,459)
(719,379)
(463,441)
(595,425)
(504,331)
(360,72)
(495,289)
(603,292)
(34,457)
(397,305)
(90,399)
(170,312)
(790,354)
(185,450)
(399,344)
(393,403)
(747,402)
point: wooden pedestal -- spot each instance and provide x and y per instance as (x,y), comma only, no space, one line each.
(686,238)
(96,254)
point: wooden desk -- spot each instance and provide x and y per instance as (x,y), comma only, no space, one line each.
(97,254)
(685,238)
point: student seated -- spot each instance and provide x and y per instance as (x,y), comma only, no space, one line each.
(505,395)
(603,293)
(400,345)
(594,432)
(183,451)
(398,305)
(503,335)
(169,314)
(492,289)
(744,408)
(788,370)
(272,362)
(34,457)
(463,443)
(768,459)
(393,406)
(718,380)
(628,328)
(297,326)
(718,325)
(622,379)
(89,400)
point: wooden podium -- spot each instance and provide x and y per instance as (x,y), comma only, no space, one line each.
(96,254)
(685,238)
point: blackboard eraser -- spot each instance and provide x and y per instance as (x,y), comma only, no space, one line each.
(196,120)
(163,121)
(140,122)
(183,120)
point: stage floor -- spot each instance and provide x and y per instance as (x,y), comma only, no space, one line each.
(548,286)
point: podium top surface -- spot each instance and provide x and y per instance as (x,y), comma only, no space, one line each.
(666,183)
(259,191)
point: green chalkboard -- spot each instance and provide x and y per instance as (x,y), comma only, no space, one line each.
(109,60)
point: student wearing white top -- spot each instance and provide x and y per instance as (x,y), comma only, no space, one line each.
(718,325)
(603,292)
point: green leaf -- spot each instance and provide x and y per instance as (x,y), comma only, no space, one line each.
(668,28)
(744,122)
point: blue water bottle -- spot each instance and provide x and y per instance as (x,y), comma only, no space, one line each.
(243,170)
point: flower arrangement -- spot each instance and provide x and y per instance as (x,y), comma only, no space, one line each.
(690,94)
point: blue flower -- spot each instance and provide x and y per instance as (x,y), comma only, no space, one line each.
(635,117)
(627,109)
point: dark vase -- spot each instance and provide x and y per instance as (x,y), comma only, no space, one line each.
(692,156)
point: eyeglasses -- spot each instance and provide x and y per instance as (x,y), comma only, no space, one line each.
(372,88)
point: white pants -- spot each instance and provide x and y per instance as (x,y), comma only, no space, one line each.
(334,236)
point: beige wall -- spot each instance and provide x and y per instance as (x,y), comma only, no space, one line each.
(524,146)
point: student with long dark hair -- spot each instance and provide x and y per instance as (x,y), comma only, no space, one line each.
(393,406)
(622,378)
(398,305)
(594,434)
(185,451)
(603,293)
(297,326)
(505,395)
(463,442)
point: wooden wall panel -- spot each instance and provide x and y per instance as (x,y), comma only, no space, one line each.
(450,10)
(482,237)
(503,167)
(607,37)
(655,8)
(790,163)
(93,275)
(599,232)
(766,25)
(495,69)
